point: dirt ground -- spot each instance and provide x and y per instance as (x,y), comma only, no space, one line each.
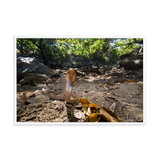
(34,104)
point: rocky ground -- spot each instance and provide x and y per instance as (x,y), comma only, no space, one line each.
(117,89)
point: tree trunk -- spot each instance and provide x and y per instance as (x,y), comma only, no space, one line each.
(41,49)
(21,48)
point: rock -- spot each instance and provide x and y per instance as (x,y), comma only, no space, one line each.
(19,88)
(26,65)
(58,71)
(45,70)
(135,113)
(60,83)
(79,115)
(34,78)
(135,62)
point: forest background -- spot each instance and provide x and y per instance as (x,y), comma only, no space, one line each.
(99,50)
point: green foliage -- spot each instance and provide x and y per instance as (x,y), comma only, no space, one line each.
(87,46)
(99,50)
(55,48)
(126,45)
(26,46)
(96,49)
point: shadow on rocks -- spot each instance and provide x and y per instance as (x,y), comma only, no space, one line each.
(70,113)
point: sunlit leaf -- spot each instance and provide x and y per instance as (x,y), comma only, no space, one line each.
(84,109)
(93,105)
(88,111)
(93,117)
(84,102)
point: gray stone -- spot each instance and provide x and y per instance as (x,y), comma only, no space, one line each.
(27,65)
(34,78)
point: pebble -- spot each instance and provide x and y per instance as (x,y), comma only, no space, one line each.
(79,115)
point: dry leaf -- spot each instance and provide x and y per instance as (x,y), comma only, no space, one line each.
(84,102)
(100,84)
(112,87)
(108,115)
(24,95)
(75,99)
(88,112)
(123,80)
(33,95)
(98,119)
(129,80)
(140,85)
(41,100)
(87,91)
(21,114)
(76,95)
(105,87)
(112,107)
(93,117)
(36,91)
(93,105)
(116,87)
(86,77)
(84,109)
